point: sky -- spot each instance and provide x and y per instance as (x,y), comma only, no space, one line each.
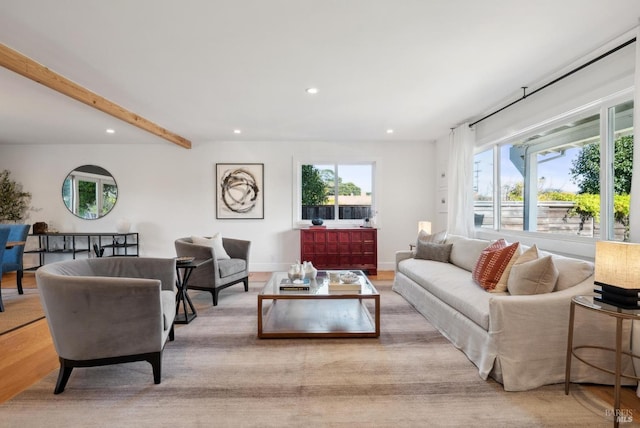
(360,175)
(555,172)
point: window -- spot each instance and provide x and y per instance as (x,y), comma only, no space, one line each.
(551,180)
(621,134)
(483,189)
(342,192)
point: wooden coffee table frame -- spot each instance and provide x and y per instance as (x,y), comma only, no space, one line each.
(319,313)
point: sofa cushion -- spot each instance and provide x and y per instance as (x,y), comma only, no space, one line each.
(492,263)
(465,251)
(231,267)
(532,275)
(570,271)
(432,251)
(452,285)
(214,242)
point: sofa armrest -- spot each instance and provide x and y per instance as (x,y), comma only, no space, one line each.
(403,255)
(533,330)
(537,315)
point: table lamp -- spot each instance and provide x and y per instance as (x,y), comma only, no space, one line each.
(424,225)
(617,272)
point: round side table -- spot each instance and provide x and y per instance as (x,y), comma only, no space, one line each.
(620,314)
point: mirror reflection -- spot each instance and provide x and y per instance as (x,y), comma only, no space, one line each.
(89,192)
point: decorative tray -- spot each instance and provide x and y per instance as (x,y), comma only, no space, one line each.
(184,260)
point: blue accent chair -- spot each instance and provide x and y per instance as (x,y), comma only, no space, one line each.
(12,258)
(4,237)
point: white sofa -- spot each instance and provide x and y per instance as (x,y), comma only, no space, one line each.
(519,340)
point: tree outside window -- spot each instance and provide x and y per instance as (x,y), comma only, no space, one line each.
(336,191)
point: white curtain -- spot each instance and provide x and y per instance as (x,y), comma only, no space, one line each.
(634,208)
(634,205)
(460,181)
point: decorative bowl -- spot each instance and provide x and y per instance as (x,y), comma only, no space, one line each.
(349,278)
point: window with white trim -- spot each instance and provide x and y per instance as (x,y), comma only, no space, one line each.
(572,178)
(342,193)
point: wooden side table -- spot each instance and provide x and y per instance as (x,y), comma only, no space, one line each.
(182,296)
(587,302)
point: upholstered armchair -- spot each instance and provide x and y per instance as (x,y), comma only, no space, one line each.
(112,310)
(221,272)
(12,258)
(4,237)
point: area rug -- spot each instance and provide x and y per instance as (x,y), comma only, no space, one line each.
(218,374)
(19,309)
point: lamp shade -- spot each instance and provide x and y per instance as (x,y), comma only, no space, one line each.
(618,264)
(424,225)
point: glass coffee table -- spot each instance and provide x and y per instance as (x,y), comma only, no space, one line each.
(318,311)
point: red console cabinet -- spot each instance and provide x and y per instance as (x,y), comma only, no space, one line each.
(340,248)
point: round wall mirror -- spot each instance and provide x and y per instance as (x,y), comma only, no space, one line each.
(89,192)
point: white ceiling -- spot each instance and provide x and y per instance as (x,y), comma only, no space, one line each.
(202,68)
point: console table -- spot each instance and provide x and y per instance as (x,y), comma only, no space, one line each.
(338,248)
(74,243)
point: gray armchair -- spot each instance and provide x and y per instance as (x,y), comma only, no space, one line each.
(108,311)
(219,273)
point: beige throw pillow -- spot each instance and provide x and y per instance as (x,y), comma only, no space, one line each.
(214,242)
(501,286)
(436,238)
(531,253)
(532,275)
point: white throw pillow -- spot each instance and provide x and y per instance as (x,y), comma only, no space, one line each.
(214,242)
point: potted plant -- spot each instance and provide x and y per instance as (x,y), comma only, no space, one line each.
(14,202)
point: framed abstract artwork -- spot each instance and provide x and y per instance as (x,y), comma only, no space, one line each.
(240,191)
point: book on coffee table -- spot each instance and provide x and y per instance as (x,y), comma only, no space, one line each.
(296,285)
(341,286)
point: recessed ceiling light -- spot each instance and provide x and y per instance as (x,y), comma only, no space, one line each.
(111,131)
(312,91)
(237,131)
(389,131)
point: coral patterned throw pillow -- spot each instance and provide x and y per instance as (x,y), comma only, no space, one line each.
(493,262)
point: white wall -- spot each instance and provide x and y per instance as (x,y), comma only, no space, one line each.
(168,192)
(442,154)
(610,75)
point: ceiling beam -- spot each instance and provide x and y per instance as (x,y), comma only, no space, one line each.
(30,69)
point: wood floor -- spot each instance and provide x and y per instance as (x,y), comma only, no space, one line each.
(27,354)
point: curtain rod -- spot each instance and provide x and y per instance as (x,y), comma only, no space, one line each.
(575,70)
